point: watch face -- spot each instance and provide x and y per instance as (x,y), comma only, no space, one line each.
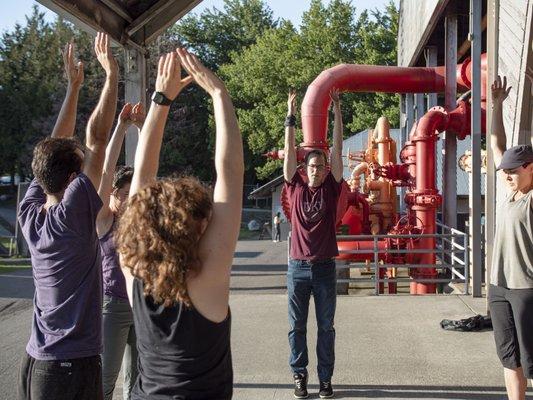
(159,98)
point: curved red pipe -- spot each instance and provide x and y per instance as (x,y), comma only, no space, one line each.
(370,78)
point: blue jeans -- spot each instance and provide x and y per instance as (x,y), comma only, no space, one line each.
(319,278)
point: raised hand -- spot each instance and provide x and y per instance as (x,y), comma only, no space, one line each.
(104,54)
(124,117)
(138,115)
(500,91)
(334,94)
(169,80)
(201,75)
(291,102)
(73,70)
(132,114)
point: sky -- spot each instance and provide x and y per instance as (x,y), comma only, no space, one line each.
(287,9)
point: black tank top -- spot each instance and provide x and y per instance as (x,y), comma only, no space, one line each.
(182,355)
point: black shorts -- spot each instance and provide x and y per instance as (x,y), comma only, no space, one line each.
(511,311)
(76,379)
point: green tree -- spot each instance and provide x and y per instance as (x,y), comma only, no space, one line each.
(214,35)
(32,86)
(260,76)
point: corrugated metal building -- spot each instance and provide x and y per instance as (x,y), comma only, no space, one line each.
(436,32)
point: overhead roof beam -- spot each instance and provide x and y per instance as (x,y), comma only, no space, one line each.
(118,9)
(163,20)
(148,16)
(90,16)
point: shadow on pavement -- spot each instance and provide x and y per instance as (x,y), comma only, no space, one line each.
(395,391)
(260,268)
(247,254)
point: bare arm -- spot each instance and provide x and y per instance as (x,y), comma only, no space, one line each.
(336,150)
(290,162)
(529,75)
(209,291)
(101,119)
(128,115)
(497,135)
(168,82)
(66,120)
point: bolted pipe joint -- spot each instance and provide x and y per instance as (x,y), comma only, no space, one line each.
(432,200)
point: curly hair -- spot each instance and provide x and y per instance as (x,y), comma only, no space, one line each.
(158,236)
(54,160)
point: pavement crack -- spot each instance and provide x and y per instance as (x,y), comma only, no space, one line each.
(468,306)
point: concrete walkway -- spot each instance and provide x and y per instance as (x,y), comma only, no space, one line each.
(388,347)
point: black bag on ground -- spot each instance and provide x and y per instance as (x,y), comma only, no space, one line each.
(475,323)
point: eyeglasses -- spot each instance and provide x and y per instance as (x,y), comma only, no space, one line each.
(318,167)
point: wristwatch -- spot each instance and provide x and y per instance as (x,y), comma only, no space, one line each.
(161,99)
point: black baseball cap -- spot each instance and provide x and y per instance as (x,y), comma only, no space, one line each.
(516,156)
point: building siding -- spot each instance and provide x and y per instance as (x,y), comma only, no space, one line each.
(417,20)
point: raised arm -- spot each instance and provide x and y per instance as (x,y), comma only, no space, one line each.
(66,120)
(217,245)
(529,75)
(170,84)
(336,150)
(101,119)
(498,139)
(128,115)
(289,161)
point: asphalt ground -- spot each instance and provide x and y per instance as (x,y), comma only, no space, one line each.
(387,347)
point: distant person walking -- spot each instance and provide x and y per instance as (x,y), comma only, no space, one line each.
(277,227)
(511,280)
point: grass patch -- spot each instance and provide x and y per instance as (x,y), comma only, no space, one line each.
(245,234)
(9,244)
(6,269)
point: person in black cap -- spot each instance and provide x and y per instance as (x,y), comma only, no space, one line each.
(511,282)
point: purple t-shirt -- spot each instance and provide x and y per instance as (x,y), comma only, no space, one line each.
(67,271)
(313,218)
(114,281)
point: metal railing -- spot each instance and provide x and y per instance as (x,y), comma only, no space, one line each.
(451,250)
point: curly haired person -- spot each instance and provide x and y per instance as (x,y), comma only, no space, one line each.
(176,242)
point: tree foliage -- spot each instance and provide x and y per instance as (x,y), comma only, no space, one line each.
(258,56)
(260,76)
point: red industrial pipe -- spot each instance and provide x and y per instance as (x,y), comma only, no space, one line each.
(424,199)
(362,245)
(369,78)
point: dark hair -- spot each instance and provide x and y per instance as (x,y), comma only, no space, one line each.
(158,236)
(54,160)
(123,176)
(278,214)
(315,152)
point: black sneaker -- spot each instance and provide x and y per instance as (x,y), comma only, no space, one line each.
(300,386)
(326,391)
